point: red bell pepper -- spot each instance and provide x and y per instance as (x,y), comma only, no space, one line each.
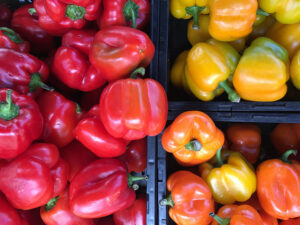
(139,108)
(28,27)
(61,116)
(5,15)
(57,212)
(71,64)
(8,215)
(135,214)
(28,181)
(92,134)
(125,47)
(20,123)
(22,72)
(10,39)
(77,156)
(135,156)
(135,13)
(102,188)
(31,217)
(291,222)
(104,221)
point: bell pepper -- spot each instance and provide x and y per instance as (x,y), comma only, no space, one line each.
(102,188)
(123,46)
(278,187)
(192,138)
(231,20)
(20,123)
(28,181)
(246,139)
(135,156)
(104,221)
(57,211)
(28,27)
(31,217)
(140,108)
(230,182)
(290,222)
(250,78)
(5,15)
(208,67)
(190,200)
(8,215)
(295,70)
(22,72)
(61,117)
(237,215)
(286,12)
(135,214)
(10,39)
(92,134)
(198,35)
(134,13)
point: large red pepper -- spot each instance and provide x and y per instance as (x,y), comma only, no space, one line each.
(8,215)
(135,13)
(22,72)
(10,39)
(28,27)
(28,181)
(92,134)
(71,64)
(60,115)
(139,108)
(291,222)
(118,50)
(20,123)
(102,188)
(5,15)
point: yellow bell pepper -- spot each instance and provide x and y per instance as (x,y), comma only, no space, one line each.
(198,35)
(231,182)
(295,70)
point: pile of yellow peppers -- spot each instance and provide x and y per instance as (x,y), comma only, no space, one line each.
(248,49)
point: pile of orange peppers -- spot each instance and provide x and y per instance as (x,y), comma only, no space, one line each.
(230,178)
(249,49)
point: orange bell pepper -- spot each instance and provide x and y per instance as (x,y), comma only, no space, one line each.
(291,222)
(190,199)
(246,139)
(201,34)
(295,70)
(278,187)
(192,138)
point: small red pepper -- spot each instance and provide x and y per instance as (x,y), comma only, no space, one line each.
(125,47)
(10,39)
(135,13)
(8,215)
(31,217)
(28,27)
(71,64)
(20,123)
(102,188)
(92,134)
(291,222)
(5,15)
(60,115)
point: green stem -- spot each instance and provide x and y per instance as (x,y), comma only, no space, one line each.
(194,11)
(32,11)
(131,12)
(220,220)
(8,110)
(78,108)
(75,12)
(132,179)
(232,95)
(194,145)
(285,156)
(167,201)
(139,70)
(261,12)
(51,204)
(219,158)
(36,83)
(12,35)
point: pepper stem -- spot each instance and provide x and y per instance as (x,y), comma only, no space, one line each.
(262,12)
(286,155)
(8,110)
(167,201)
(194,145)
(220,220)
(131,12)
(75,12)
(194,11)
(32,11)
(219,158)
(51,204)
(36,83)
(78,108)
(232,95)
(132,179)
(139,70)
(12,35)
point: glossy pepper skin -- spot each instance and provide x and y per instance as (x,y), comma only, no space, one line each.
(286,12)
(250,79)
(61,117)
(22,72)
(100,189)
(5,15)
(192,138)
(246,139)
(237,215)
(140,108)
(127,47)
(231,20)
(278,185)
(190,200)
(21,123)
(92,134)
(230,182)
(57,212)
(136,214)
(71,64)
(28,27)
(295,70)
(36,172)
(290,222)
(135,13)
(8,214)
(10,39)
